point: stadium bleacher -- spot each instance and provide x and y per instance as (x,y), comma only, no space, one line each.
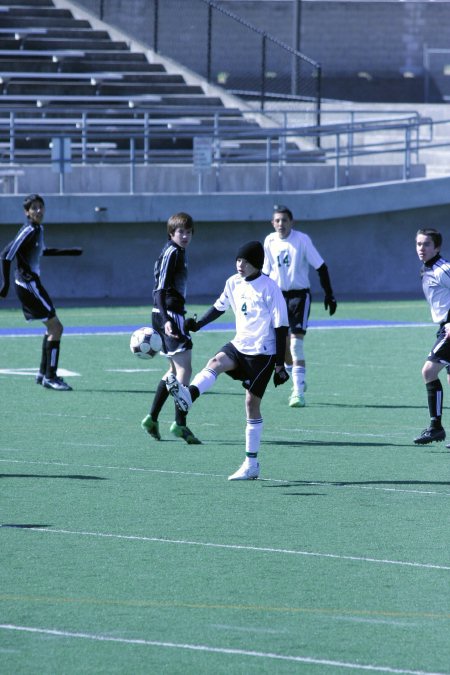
(58,67)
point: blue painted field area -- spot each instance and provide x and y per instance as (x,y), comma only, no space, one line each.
(216,326)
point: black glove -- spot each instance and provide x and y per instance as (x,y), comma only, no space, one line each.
(330,304)
(191,324)
(4,290)
(280,377)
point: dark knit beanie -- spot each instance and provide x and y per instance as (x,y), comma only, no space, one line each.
(252,252)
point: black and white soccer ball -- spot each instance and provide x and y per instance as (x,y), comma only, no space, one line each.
(145,343)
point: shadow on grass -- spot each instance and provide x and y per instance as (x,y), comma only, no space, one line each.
(375,406)
(24,526)
(49,475)
(336,444)
(306,483)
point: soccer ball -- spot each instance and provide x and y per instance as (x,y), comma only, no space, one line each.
(145,343)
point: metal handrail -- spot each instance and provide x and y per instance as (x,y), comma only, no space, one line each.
(137,140)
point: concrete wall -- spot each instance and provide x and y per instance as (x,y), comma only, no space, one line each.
(116,179)
(365,234)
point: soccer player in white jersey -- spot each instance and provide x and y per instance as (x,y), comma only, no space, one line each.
(288,255)
(256,351)
(435,274)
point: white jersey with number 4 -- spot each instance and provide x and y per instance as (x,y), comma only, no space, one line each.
(287,260)
(259,308)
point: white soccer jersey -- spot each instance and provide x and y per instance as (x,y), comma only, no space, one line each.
(436,287)
(287,260)
(259,308)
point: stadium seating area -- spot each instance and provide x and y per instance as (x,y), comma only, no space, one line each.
(57,70)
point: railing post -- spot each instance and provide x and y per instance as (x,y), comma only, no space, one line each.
(83,137)
(263,69)
(426,74)
(407,164)
(155,25)
(337,160)
(209,43)
(296,37)
(319,99)
(132,166)
(268,162)
(12,137)
(146,137)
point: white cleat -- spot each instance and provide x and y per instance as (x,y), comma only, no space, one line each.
(246,472)
(180,393)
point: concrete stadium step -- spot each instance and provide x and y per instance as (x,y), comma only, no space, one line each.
(40,21)
(32,10)
(42,87)
(12,4)
(74,43)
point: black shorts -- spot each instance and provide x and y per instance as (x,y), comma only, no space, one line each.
(298,306)
(441,349)
(254,371)
(171,345)
(36,302)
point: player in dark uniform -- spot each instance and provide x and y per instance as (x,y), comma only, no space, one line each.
(27,248)
(169,297)
(436,287)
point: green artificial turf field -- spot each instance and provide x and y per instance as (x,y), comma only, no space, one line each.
(121,554)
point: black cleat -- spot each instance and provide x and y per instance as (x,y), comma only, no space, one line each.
(429,435)
(56,383)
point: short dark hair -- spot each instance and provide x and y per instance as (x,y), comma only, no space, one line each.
(181,219)
(29,199)
(434,235)
(280,208)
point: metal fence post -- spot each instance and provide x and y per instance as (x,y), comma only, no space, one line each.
(155,25)
(319,98)
(268,162)
(337,160)
(407,163)
(132,166)
(263,69)
(12,138)
(209,43)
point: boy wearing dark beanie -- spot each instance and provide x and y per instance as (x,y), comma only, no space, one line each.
(256,351)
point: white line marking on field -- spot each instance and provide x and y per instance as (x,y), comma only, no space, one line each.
(239,547)
(132,370)
(218,650)
(288,483)
(62,372)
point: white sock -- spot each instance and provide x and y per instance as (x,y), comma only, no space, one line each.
(298,379)
(204,380)
(253,432)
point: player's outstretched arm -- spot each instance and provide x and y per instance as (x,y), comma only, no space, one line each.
(63,251)
(191,325)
